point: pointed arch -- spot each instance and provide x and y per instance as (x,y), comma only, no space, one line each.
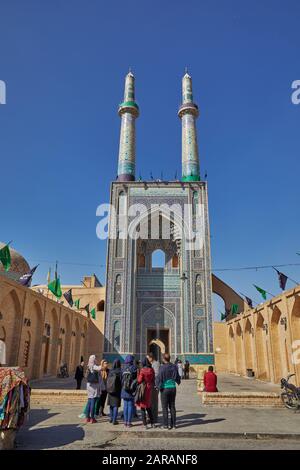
(277,353)
(260,341)
(295,329)
(232,357)
(12,315)
(248,345)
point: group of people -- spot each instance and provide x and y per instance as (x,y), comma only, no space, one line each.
(136,384)
(183,369)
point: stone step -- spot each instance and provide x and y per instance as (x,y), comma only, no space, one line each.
(242,399)
(65,397)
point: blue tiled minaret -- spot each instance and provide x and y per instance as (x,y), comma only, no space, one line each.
(128,112)
(188,113)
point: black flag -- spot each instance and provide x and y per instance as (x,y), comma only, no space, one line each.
(249,302)
(25,280)
(227,311)
(68,297)
(282,278)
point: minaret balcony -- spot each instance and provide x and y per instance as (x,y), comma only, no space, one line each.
(188,108)
(128,107)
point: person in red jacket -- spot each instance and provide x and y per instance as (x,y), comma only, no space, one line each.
(146,375)
(210,380)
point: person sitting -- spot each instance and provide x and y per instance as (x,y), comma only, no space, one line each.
(210,380)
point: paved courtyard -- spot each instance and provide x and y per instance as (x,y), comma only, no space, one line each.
(226,383)
(58,426)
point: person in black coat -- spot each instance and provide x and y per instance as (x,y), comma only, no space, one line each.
(79,374)
(100,402)
(114,387)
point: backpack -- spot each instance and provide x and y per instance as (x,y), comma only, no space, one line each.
(111,384)
(127,381)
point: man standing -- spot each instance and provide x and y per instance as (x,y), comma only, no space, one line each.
(154,398)
(79,374)
(167,379)
(186,369)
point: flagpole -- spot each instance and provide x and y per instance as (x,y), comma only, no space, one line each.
(297,283)
(289,278)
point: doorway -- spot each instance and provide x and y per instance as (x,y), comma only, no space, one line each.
(158,342)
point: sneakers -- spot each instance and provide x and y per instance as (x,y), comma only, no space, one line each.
(93,421)
(82,416)
(88,420)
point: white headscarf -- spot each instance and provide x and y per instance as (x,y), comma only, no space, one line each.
(91,362)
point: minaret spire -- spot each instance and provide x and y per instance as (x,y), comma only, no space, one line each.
(188,113)
(128,112)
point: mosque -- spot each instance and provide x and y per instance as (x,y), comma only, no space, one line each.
(159,285)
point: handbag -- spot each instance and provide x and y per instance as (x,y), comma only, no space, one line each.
(92,377)
(140,392)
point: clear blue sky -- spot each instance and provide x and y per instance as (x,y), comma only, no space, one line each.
(64,64)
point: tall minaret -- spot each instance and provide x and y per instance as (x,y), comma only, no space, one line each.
(188,113)
(128,111)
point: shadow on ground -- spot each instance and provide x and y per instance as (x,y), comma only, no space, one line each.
(192,419)
(49,437)
(44,436)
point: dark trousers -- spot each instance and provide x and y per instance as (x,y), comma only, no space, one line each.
(103,399)
(78,384)
(154,404)
(144,418)
(100,403)
(168,396)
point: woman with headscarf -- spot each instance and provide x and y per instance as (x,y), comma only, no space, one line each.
(92,387)
(113,388)
(146,375)
(100,403)
(129,375)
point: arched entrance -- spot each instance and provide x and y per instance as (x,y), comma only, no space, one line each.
(157,326)
(10,308)
(232,366)
(157,348)
(53,321)
(275,344)
(261,349)
(248,345)
(295,324)
(239,350)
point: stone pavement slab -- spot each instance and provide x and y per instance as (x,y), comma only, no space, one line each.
(58,426)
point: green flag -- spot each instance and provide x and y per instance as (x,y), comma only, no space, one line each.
(5,257)
(223,316)
(55,288)
(77,303)
(234,309)
(261,291)
(93,313)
